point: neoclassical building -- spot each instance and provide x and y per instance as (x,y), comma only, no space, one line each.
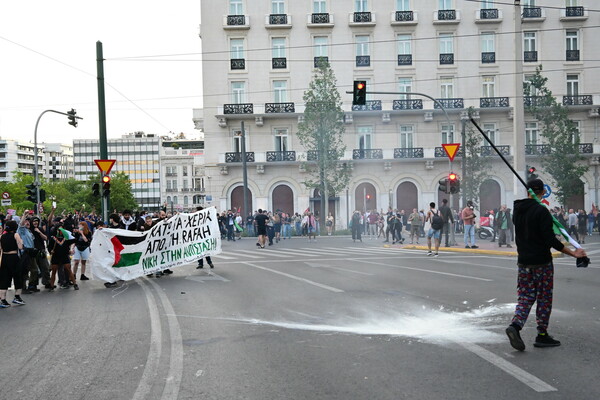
(259,57)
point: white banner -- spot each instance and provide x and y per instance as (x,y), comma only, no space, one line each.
(184,238)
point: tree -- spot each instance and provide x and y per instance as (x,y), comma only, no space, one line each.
(477,166)
(321,133)
(562,161)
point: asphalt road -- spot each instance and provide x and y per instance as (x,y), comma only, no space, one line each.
(327,320)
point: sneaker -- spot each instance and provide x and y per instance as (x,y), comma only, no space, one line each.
(467,247)
(508,245)
(436,254)
(168,271)
(211,265)
(158,274)
(474,247)
(76,286)
(515,338)
(429,253)
(4,303)
(258,244)
(83,278)
(47,286)
(18,300)
(200,267)
(64,286)
(545,340)
(110,284)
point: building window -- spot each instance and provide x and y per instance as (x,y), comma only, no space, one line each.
(278,47)
(404,85)
(529,46)
(487,4)
(365,134)
(237,140)
(572,84)
(406,136)
(361,5)
(445,4)
(402,5)
(530,90)
(280,91)
(446,87)
(184,171)
(531,133)
(492,134)
(447,133)
(281,140)
(404,44)
(489,85)
(320,44)
(446,48)
(277,6)
(236,7)
(236,47)
(577,136)
(572,41)
(319,6)
(362,45)
(238,92)
(528,3)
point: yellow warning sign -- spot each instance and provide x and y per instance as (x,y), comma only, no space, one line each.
(451,149)
(105,165)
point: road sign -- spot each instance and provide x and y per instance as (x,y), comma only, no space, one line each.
(548,191)
(451,149)
(6,202)
(105,165)
(6,195)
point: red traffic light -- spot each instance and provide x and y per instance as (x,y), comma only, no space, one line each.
(532,170)
(106,179)
(452,176)
(360,86)
(368,197)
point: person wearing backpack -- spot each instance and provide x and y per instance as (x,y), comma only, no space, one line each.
(437,223)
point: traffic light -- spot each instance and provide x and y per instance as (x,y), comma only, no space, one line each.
(453,183)
(72,119)
(443,185)
(42,195)
(31,194)
(368,197)
(531,173)
(106,186)
(96,189)
(359,94)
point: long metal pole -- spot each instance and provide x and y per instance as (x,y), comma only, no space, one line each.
(244,172)
(518,106)
(101,101)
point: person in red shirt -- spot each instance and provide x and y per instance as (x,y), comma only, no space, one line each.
(468,217)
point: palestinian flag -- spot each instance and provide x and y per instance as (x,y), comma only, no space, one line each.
(66,234)
(125,250)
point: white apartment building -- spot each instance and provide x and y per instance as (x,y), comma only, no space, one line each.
(16,156)
(58,161)
(259,57)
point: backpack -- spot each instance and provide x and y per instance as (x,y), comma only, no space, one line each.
(437,222)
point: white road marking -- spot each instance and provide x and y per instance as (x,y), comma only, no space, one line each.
(211,276)
(475,264)
(525,377)
(330,288)
(317,265)
(224,257)
(247,253)
(427,270)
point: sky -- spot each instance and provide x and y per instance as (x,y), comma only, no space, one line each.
(48,61)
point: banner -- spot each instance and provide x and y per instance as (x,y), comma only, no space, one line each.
(184,238)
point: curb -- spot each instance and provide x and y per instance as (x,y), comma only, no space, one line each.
(555,254)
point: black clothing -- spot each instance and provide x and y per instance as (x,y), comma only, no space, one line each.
(80,243)
(261,224)
(533,233)
(8,242)
(446,214)
(61,252)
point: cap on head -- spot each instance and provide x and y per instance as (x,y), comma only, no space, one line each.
(537,185)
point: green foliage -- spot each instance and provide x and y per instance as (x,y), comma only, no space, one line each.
(477,167)
(564,162)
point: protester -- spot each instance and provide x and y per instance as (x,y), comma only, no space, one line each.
(83,238)
(448,220)
(434,217)
(10,265)
(60,249)
(261,228)
(468,218)
(503,223)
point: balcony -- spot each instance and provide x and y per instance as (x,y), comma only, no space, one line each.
(274,156)
(399,18)
(363,61)
(488,151)
(246,108)
(586,148)
(362,17)
(279,63)
(313,155)
(441,153)
(572,55)
(532,14)
(488,13)
(278,108)
(446,17)
(408,104)
(449,103)
(238,63)
(236,22)
(534,101)
(580,100)
(237,157)
(404,59)
(447,58)
(372,105)
(488,57)
(322,60)
(171,174)
(530,56)
(367,154)
(493,102)
(537,149)
(279,21)
(171,190)
(408,152)
(321,19)
(573,14)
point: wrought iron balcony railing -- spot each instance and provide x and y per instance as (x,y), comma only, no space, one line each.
(408,104)
(441,153)
(279,62)
(574,11)
(367,154)
(237,157)
(490,102)
(488,13)
(404,16)
(586,148)
(530,56)
(446,15)
(488,57)
(278,19)
(447,58)
(319,18)
(408,152)
(273,156)
(450,103)
(236,20)
(313,155)
(580,100)
(533,101)
(532,12)
(363,61)
(245,108)
(372,105)
(572,55)
(321,60)
(487,151)
(279,108)
(362,16)
(238,63)
(404,59)
(537,149)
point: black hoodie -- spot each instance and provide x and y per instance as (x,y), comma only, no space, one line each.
(533,233)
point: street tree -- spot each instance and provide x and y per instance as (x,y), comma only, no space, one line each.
(563,161)
(477,164)
(321,133)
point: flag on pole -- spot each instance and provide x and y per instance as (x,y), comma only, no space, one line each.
(66,234)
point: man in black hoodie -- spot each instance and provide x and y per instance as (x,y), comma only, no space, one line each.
(534,237)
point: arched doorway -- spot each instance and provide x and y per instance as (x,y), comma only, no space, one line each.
(489,195)
(407,197)
(237,200)
(315,201)
(577,201)
(365,197)
(283,199)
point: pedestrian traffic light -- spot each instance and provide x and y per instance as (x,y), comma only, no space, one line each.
(453,183)
(443,185)
(96,190)
(531,173)
(72,119)
(368,197)
(31,193)
(359,94)
(42,195)
(106,185)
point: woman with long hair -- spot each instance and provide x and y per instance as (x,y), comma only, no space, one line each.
(10,265)
(60,249)
(83,238)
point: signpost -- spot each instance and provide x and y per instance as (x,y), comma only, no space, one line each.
(105,166)
(451,150)
(6,201)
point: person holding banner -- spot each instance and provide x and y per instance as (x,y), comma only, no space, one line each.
(60,250)
(208,259)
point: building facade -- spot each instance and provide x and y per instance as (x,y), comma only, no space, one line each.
(58,161)
(16,156)
(259,57)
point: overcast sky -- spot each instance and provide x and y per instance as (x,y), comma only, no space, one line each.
(48,61)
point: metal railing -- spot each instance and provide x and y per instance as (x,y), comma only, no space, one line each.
(367,154)
(245,108)
(488,57)
(409,152)
(277,108)
(530,56)
(238,63)
(574,11)
(273,156)
(319,18)
(487,151)
(279,62)
(450,103)
(321,60)
(236,20)
(404,16)
(408,104)
(441,153)
(572,55)
(362,16)
(404,59)
(237,157)
(488,13)
(580,100)
(313,155)
(371,105)
(490,102)
(537,149)
(363,61)
(532,12)
(447,58)
(446,15)
(278,19)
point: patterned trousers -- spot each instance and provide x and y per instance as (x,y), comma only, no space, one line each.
(534,283)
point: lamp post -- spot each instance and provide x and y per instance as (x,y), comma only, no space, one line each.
(518,107)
